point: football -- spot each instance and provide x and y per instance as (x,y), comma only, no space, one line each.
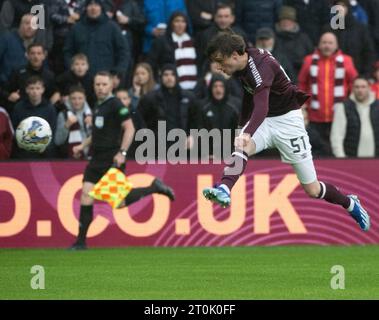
(33,134)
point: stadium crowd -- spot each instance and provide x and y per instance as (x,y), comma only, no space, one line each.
(154,50)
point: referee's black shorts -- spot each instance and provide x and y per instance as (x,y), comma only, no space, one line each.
(98,166)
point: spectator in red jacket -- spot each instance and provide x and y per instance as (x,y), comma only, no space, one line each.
(6,135)
(327,75)
(375,85)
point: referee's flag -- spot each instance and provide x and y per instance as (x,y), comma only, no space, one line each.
(113,187)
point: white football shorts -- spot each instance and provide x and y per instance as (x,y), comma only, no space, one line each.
(287,133)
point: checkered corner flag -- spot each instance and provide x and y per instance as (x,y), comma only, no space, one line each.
(113,187)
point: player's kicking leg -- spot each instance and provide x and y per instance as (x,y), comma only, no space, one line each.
(245,146)
(220,193)
(328,192)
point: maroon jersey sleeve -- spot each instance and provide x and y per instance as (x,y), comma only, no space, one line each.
(260,80)
(261,100)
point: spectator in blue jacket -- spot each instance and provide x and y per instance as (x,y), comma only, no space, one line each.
(100,39)
(12,12)
(255,14)
(358,12)
(13,46)
(158,13)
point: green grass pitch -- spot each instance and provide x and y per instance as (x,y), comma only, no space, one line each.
(294,272)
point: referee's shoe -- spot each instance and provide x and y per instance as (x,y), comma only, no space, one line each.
(162,188)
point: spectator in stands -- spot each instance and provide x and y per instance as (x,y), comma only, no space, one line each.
(234,86)
(266,40)
(124,97)
(13,45)
(372,9)
(255,14)
(13,11)
(359,13)
(224,20)
(100,39)
(176,47)
(312,15)
(170,103)
(131,20)
(6,135)
(36,55)
(375,85)
(355,39)
(78,75)
(219,111)
(74,124)
(295,43)
(117,79)
(143,83)
(201,13)
(64,14)
(157,13)
(327,75)
(34,105)
(355,129)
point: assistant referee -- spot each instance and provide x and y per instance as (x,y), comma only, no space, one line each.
(112,134)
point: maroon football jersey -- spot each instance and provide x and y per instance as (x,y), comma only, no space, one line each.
(264,72)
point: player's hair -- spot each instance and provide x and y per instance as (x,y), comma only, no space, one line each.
(76,88)
(35,45)
(224,44)
(34,80)
(225,5)
(79,56)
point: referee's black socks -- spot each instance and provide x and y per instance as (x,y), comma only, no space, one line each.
(85,219)
(139,193)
